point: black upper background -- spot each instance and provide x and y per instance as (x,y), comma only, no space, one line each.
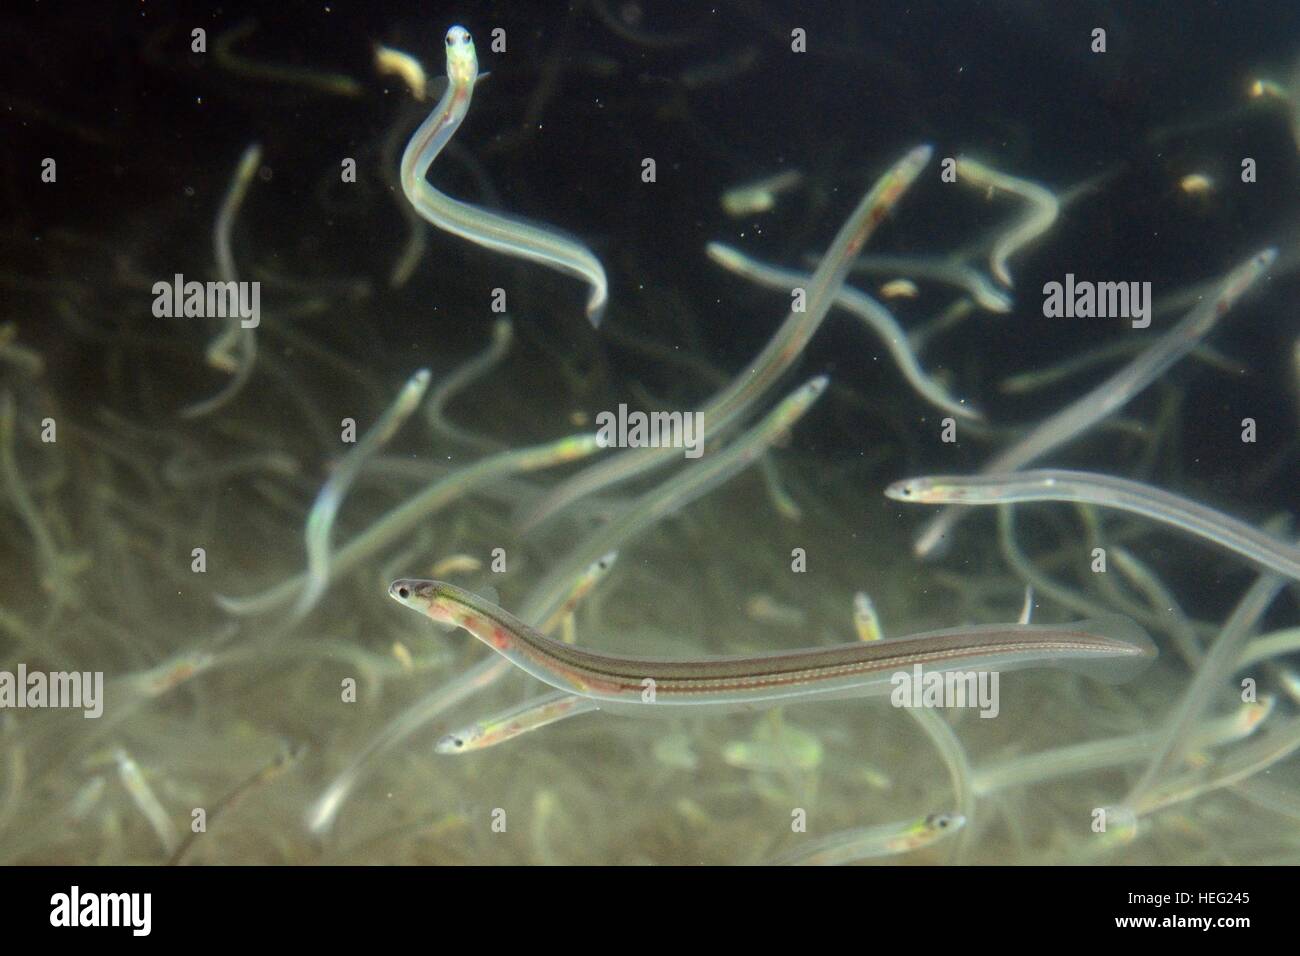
(147,135)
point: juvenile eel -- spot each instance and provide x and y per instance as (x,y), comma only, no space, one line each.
(569,581)
(465,376)
(320,521)
(781,352)
(325,809)
(505,234)
(1043,212)
(508,724)
(403,517)
(865,843)
(671,496)
(220,351)
(1105,491)
(645,686)
(1115,392)
(879,319)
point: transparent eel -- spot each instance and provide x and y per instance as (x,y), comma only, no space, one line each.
(324,809)
(220,351)
(1105,491)
(514,721)
(320,520)
(872,313)
(1115,392)
(780,353)
(866,843)
(591,559)
(1044,208)
(1094,755)
(696,479)
(463,377)
(494,231)
(1236,767)
(402,518)
(653,687)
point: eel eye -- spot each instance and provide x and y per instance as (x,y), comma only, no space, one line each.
(403,592)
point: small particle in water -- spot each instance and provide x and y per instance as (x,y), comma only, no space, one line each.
(456,564)
(899,289)
(403,655)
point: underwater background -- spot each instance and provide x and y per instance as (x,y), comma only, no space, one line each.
(307,735)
